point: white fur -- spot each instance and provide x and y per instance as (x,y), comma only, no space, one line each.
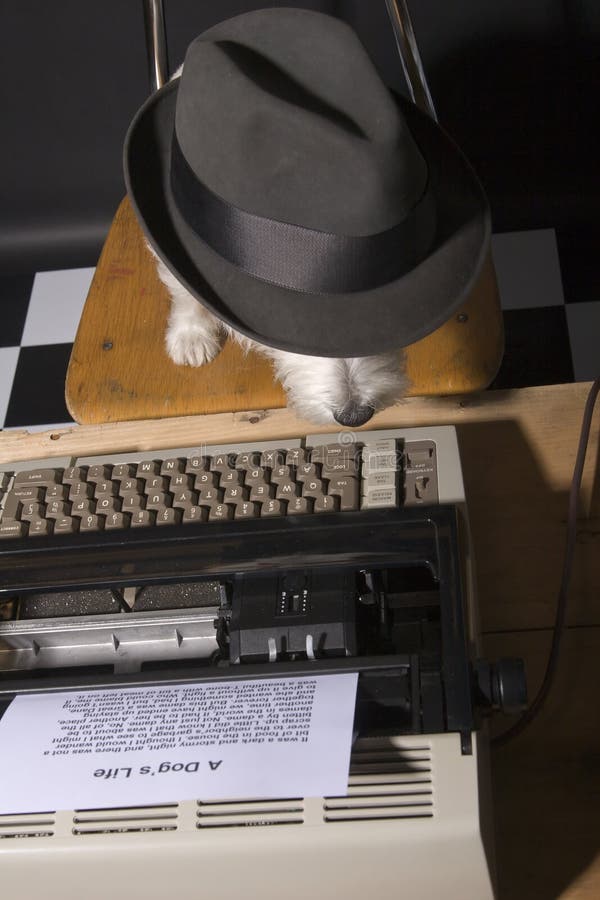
(317,387)
(193,333)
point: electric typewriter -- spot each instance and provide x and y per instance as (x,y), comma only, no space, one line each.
(325,554)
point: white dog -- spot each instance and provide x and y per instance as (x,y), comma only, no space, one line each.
(321,389)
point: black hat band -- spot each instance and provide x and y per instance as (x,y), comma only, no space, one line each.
(295,257)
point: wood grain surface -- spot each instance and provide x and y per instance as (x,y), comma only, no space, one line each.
(119,369)
(546,783)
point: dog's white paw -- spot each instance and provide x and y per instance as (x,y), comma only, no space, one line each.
(191,346)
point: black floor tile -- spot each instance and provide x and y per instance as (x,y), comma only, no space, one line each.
(15,291)
(537,349)
(579,254)
(38,393)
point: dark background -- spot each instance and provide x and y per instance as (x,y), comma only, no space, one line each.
(516,82)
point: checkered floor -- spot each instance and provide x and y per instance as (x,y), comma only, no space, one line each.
(549,288)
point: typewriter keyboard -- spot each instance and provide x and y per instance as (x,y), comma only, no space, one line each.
(310,476)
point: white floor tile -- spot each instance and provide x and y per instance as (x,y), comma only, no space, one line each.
(8,365)
(528,269)
(583,320)
(56,304)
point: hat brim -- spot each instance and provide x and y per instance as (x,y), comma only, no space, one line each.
(364,323)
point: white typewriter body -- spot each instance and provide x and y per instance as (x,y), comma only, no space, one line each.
(419,834)
(415,822)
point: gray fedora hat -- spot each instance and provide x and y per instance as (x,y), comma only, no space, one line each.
(298,199)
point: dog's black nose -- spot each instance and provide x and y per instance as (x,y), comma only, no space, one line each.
(353,414)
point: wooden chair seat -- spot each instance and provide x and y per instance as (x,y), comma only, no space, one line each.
(119,369)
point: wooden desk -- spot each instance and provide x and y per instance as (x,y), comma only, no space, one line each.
(518,450)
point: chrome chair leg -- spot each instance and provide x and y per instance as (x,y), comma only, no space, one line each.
(410,56)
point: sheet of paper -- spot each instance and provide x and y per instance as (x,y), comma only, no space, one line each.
(285,737)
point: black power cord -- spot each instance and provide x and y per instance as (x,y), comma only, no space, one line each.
(561,607)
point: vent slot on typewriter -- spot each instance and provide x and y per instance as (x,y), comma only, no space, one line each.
(120,820)
(27,825)
(232,814)
(386,783)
